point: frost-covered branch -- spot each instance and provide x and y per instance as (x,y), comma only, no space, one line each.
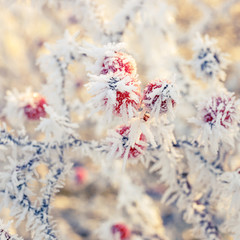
(55,66)
(120,22)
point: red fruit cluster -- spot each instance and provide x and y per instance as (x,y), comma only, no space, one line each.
(221,109)
(150,101)
(158,96)
(36,109)
(122,230)
(119,62)
(133,152)
(80,174)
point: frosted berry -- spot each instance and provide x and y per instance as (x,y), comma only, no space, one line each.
(122,230)
(80,174)
(219,110)
(158,96)
(35,109)
(138,147)
(115,94)
(124,99)
(119,62)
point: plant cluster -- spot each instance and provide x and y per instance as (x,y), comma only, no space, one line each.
(139,123)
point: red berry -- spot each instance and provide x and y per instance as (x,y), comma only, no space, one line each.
(134,151)
(124,100)
(219,109)
(35,110)
(208,117)
(122,230)
(155,90)
(119,62)
(80,174)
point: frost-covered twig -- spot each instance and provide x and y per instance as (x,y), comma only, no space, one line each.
(120,22)
(55,66)
(180,191)
(4,233)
